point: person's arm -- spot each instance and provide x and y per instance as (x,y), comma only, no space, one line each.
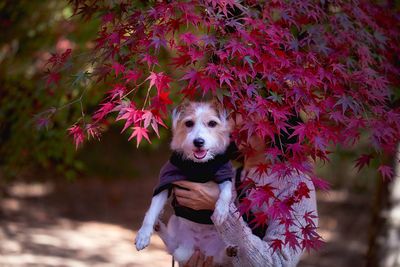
(251,250)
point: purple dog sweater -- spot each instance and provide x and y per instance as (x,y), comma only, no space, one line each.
(219,169)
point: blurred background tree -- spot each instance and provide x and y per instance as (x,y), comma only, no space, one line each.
(33,147)
(38,106)
(31,30)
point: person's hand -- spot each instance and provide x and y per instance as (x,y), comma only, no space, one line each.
(198,196)
(199,260)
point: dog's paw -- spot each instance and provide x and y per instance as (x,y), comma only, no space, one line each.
(142,239)
(220,213)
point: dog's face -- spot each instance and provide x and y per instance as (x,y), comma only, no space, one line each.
(200,131)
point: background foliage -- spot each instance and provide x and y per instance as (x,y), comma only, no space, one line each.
(31,30)
(333,63)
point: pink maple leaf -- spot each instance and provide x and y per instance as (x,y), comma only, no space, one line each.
(102,112)
(93,130)
(320,183)
(188,38)
(139,133)
(386,172)
(77,134)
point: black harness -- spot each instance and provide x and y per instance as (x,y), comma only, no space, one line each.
(199,173)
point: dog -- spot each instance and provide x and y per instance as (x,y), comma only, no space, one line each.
(200,141)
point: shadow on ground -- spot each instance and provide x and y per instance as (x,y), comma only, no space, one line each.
(92,222)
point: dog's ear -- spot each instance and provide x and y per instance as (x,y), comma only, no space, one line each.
(175,117)
(178,111)
(221,111)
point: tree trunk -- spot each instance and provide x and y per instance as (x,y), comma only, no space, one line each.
(389,242)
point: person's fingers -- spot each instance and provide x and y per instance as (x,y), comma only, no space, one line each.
(186,184)
(196,259)
(187,203)
(193,260)
(182,193)
(208,262)
(200,261)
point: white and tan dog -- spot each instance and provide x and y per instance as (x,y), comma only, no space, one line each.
(200,133)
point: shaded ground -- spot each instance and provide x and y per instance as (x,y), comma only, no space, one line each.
(92,222)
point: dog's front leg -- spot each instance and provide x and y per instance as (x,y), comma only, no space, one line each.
(157,204)
(222,206)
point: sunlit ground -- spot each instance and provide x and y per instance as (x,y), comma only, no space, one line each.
(83,224)
(31,237)
(69,243)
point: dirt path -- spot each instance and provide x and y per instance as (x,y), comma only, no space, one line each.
(79,224)
(92,222)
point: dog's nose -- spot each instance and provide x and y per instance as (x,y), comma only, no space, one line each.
(198,142)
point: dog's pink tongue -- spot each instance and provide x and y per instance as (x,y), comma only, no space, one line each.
(199,154)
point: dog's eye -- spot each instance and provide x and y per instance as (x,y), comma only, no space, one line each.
(212,124)
(189,124)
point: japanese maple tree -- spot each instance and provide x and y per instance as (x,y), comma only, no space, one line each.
(334,64)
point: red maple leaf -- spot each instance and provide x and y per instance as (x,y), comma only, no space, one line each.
(117,91)
(118,68)
(312,243)
(181,60)
(276,244)
(363,160)
(340,83)
(302,191)
(208,84)
(262,169)
(149,59)
(159,80)
(309,231)
(192,76)
(280,209)
(291,240)
(309,217)
(52,78)
(245,206)
(132,75)
(260,219)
